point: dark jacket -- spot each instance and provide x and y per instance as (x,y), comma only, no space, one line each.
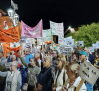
(91,59)
(9,59)
(45,79)
(3,69)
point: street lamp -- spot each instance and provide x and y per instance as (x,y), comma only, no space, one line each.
(13,17)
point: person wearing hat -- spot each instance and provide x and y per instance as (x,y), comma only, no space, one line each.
(83,57)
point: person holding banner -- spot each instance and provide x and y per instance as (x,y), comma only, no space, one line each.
(61,75)
(73,78)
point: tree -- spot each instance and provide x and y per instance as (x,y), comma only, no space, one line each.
(87,33)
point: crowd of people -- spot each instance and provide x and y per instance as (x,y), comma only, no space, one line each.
(45,70)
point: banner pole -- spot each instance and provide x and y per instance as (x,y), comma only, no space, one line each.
(42,39)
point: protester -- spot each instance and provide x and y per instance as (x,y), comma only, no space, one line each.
(89,56)
(83,57)
(73,78)
(9,59)
(2,79)
(3,60)
(13,80)
(75,57)
(33,71)
(45,77)
(61,75)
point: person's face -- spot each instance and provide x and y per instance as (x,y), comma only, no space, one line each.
(32,62)
(74,58)
(82,57)
(46,63)
(12,53)
(54,54)
(27,52)
(71,76)
(35,56)
(1,55)
(59,63)
(7,55)
(13,58)
(18,53)
(13,67)
(96,55)
(86,50)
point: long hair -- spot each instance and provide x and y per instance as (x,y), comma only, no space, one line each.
(36,62)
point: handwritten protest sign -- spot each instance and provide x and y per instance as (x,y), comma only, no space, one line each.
(67,50)
(23,39)
(88,72)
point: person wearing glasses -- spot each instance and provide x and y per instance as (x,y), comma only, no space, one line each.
(13,78)
(44,79)
(61,75)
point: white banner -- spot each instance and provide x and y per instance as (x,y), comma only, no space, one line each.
(67,51)
(97,44)
(23,39)
(88,72)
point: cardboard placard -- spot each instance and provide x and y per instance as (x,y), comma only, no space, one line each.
(80,43)
(67,51)
(88,72)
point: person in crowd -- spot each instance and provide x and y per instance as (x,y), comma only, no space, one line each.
(22,67)
(55,54)
(33,71)
(13,78)
(44,79)
(9,59)
(73,78)
(61,75)
(37,56)
(2,79)
(89,56)
(28,56)
(75,57)
(3,60)
(83,57)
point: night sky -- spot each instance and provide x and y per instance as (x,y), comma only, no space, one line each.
(73,13)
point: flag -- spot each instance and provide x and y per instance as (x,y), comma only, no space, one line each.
(34,32)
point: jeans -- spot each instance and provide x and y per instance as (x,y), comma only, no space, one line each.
(89,87)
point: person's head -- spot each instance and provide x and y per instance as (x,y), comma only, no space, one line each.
(14,65)
(72,71)
(97,55)
(7,55)
(61,61)
(27,51)
(75,56)
(12,52)
(55,53)
(13,57)
(1,54)
(82,56)
(47,61)
(86,50)
(33,62)
(37,55)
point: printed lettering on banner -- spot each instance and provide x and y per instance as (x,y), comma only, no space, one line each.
(30,32)
(89,72)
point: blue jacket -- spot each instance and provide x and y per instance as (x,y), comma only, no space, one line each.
(9,59)
(91,59)
(45,79)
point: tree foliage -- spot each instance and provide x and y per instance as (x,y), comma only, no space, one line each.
(87,33)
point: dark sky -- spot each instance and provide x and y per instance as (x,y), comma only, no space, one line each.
(73,13)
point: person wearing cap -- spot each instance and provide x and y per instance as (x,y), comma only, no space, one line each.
(13,78)
(83,57)
(90,57)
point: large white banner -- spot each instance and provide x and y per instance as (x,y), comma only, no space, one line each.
(57,29)
(47,35)
(89,72)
